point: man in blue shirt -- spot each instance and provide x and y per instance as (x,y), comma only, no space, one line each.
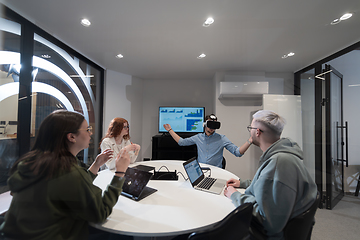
(210,145)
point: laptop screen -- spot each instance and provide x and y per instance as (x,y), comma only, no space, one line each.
(135,181)
(193,170)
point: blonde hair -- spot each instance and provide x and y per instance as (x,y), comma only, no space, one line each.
(271,120)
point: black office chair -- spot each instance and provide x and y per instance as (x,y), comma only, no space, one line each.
(297,228)
(223,163)
(300,227)
(234,226)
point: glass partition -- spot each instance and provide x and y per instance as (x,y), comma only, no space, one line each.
(59,78)
(10,34)
(62,81)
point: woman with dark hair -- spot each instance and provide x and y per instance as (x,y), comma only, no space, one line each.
(117,137)
(53,197)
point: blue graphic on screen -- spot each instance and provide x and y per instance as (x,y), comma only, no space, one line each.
(193,170)
(182,119)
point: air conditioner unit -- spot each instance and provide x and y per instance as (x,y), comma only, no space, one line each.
(243,89)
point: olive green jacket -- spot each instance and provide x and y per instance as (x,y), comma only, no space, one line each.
(59,208)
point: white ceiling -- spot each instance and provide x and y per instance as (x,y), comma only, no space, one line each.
(161,39)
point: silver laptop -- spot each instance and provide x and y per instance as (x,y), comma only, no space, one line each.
(198,179)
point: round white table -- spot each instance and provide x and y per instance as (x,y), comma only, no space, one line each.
(176,208)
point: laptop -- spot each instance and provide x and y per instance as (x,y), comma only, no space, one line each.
(198,179)
(135,184)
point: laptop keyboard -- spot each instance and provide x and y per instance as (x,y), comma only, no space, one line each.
(207,183)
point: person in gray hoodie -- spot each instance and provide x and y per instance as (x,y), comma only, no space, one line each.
(282,188)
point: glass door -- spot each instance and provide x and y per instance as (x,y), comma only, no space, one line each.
(334,136)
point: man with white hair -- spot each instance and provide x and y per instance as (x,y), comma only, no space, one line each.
(282,188)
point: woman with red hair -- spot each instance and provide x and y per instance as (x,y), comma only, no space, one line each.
(117,137)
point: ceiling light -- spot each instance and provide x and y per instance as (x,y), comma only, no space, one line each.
(290,54)
(335,21)
(346,16)
(45,56)
(201,56)
(85,22)
(208,22)
(119,56)
(75,75)
(342,18)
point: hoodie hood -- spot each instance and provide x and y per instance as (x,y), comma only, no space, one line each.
(23,177)
(283,145)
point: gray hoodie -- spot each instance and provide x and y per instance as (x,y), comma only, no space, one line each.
(281,189)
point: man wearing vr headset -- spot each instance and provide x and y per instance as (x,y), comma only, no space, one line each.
(210,145)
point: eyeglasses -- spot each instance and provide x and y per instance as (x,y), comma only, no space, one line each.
(126,127)
(88,129)
(250,127)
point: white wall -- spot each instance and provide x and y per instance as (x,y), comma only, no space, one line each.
(123,94)
(124,98)
(236,114)
(171,93)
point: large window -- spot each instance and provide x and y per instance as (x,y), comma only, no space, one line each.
(39,74)
(10,33)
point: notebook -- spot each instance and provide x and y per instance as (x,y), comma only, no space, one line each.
(198,179)
(135,184)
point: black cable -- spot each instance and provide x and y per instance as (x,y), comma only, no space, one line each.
(164,167)
(182,176)
(205,171)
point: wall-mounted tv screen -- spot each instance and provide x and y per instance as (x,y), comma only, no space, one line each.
(182,119)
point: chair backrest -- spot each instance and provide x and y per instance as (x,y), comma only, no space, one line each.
(234,226)
(300,227)
(223,163)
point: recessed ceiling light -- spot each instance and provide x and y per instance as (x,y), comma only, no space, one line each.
(45,56)
(290,54)
(119,56)
(208,22)
(342,18)
(85,22)
(201,56)
(335,21)
(346,16)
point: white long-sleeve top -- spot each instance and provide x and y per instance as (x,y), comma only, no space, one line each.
(109,143)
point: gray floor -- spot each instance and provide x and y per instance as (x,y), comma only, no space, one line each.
(342,222)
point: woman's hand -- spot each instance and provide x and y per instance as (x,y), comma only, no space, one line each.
(137,148)
(100,160)
(122,162)
(103,157)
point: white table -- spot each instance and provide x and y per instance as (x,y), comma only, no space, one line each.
(5,201)
(176,208)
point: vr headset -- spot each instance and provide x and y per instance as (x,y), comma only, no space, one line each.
(213,123)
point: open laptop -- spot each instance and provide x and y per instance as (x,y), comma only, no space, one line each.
(198,179)
(135,184)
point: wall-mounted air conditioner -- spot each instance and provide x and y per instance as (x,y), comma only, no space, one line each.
(243,89)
